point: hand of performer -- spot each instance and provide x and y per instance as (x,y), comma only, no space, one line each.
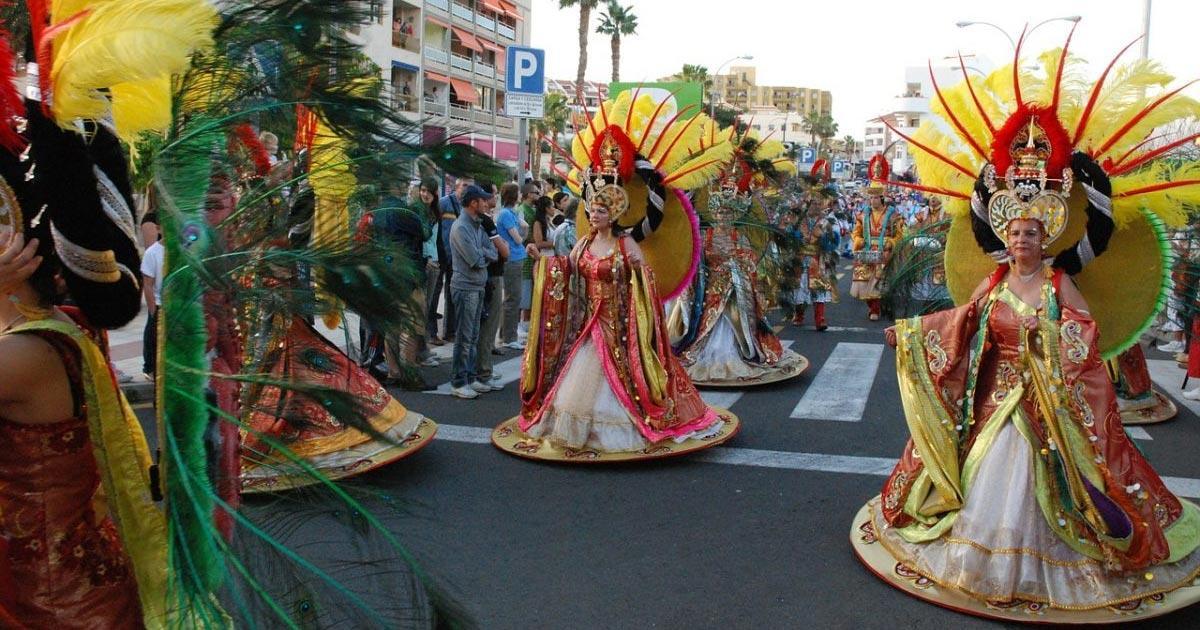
(889,336)
(532,251)
(1030,322)
(18,261)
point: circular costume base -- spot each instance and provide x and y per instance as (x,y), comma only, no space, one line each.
(343,464)
(884,565)
(509,438)
(1162,410)
(782,373)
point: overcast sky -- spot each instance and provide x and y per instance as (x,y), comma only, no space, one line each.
(858,49)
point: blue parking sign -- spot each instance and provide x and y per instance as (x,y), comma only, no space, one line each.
(808,155)
(524,82)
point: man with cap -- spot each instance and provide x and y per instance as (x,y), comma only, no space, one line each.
(472,251)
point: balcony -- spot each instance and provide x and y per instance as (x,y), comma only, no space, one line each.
(437,54)
(506,31)
(485,69)
(483,117)
(504,122)
(434,108)
(439,4)
(460,62)
(462,11)
(485,22)
(458,112)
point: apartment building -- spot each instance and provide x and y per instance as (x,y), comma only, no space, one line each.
(442,62)
(740,88)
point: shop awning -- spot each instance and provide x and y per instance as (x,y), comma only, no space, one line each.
(433,76)
(436,21)
(499,50)
(465,91)
(493,5)
(511,10)
(400,65)
(468,40)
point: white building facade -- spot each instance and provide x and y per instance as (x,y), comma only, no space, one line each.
(442,63)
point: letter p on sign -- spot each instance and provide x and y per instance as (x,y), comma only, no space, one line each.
(526,73)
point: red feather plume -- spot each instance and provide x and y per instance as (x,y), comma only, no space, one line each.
(11,104)
(258,153)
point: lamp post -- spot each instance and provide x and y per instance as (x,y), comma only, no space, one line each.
(712,104)
(1011,41)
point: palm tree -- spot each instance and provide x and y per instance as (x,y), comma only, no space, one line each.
(617,22)
(555,114)
(585,14)
(851,144)
(819,125)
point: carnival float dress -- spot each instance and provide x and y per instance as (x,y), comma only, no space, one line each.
(1137,398)
(719,330)
(288,349)
(599,381)
(1019,495)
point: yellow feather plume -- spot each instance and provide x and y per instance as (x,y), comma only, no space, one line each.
(701,168)
(936,173)
(1125,93)
(958,100)
(131,41)
(1170,205)
(141,105)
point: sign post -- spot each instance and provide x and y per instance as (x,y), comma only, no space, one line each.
(524,94)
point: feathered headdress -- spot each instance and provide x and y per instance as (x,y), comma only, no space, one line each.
(1034,137)
(654,152)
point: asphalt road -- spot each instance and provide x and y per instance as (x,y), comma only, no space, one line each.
(682,543)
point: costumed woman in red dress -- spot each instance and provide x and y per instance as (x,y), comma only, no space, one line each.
(599,380)
(1019,492)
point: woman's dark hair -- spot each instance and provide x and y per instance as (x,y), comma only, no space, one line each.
(508,195)
(541,206)
(431,184)
(558,197)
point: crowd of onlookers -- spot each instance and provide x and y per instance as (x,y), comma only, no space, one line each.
(477,246)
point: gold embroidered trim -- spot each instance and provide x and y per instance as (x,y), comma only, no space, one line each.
(937,356)
(1072,334)
(10,209)
(883,540)
(1085,410)
(89,264)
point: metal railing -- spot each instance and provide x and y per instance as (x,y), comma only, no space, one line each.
(440,4)
(435,108)
(504,121)
(437,54)
(462,11)
(485,69)
(485,21)
(483,116)
(460,113)
(460,62)
(506,30)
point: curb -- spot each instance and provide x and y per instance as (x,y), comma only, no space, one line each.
(138,392)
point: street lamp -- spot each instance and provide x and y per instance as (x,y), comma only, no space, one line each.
(1013,43)
(712,104)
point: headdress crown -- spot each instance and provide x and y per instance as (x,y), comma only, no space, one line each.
(1029,192)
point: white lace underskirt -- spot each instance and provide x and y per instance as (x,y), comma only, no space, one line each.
(586,413)
(1001,548)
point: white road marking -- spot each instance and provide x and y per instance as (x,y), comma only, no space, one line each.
(726,398)
(839,391)
(1138,433)
(813,462)
(847,329)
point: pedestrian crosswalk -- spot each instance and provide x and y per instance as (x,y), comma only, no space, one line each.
(839,390)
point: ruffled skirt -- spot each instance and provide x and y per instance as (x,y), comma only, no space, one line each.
(585,412)
(1000,548)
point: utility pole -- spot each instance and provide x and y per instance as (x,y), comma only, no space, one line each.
(1146,29)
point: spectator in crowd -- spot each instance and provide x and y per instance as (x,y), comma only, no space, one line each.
(450,208)
(525,211)
(472,252)
(492,300)
(152,272)
(509,225)
(433,249)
